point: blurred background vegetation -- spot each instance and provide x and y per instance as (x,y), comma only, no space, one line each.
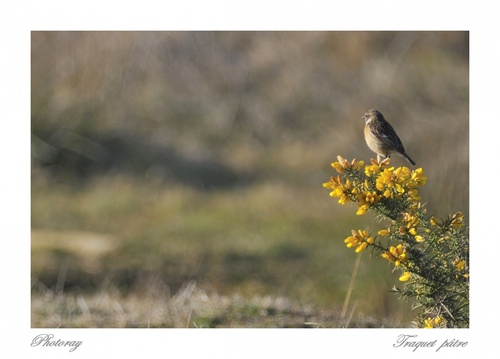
(164,159)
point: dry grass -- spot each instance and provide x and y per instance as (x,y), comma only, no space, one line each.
(190,307)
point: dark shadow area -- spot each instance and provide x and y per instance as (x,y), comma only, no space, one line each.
(73,158)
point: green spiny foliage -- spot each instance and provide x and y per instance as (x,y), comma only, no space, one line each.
(431,254)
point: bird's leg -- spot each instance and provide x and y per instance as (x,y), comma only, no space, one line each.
(383,158)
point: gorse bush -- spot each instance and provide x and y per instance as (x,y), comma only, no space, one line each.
(432,254)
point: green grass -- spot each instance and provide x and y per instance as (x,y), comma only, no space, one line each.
(248,242)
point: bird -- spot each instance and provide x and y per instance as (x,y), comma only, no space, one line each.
(381,137)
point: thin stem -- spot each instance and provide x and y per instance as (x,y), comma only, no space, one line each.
(351,286)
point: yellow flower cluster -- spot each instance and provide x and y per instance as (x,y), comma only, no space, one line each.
(392,183)
(457,220)
(429,248)
(360,239)
(453,222)
(396,254)
(343,164)
(365,200)
(459,265)
(375,167)
(346,192)
(433,322)
(384,232)
(405,277)
(412,223)
(389,183)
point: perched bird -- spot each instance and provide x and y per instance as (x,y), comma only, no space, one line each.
(381,137)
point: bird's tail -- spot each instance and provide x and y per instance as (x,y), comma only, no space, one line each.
(409,159)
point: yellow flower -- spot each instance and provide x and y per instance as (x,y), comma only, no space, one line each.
(343,164)
(418,176)
(433,322)
(459,264)
(333,183)
(403,175)
(384,232)
(419,239)
(351,241)
(438,320)
(433,221)
(361,247)
(372,198)
(413,194)
(457,220)
(362,209)
(385,179)
(396,254)
(357,166)
(392,182)
(370,170)
(339,189)
(385,161)
(375,167)
(360,239)
(411,221)
(446,237)
(344,199)
(339,167)
(361,233)
(405,277)
(365,200)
